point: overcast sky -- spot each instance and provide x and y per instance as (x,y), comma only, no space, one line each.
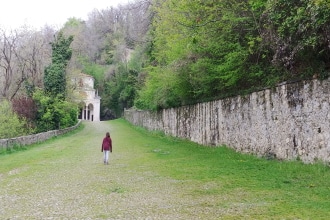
(37,13)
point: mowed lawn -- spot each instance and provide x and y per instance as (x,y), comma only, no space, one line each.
(151,176)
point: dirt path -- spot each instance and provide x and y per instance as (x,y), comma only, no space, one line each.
(66,179)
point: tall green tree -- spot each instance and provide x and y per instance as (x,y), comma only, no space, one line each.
(54,112)
(55,77)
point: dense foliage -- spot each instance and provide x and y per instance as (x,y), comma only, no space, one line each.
(11,124)
(154,54)
(203,50)
(54,112)
(194,51)
(298,34)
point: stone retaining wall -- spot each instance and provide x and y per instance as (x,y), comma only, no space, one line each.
(288,122)
(34,138)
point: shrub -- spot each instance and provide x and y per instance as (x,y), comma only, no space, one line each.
(11,125)
(54,113)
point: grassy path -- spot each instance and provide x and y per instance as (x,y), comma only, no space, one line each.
(154,177)
(66,179)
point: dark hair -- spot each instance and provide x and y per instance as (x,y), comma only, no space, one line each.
(107,134)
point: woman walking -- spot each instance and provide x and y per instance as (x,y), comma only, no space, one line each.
(106,147)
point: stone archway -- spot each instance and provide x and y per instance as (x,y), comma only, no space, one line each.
(90,112)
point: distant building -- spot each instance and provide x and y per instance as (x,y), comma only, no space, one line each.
(89,100)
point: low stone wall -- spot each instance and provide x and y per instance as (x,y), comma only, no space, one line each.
(34,138)
(288,122)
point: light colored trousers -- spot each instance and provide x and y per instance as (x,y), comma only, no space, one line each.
(106,156)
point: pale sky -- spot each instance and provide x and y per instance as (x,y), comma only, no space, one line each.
(37,13)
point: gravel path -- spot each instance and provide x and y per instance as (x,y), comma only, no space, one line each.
(67,180)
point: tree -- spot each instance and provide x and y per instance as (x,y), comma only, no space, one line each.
(54,112)
(25,107)
(55,77)
(23,56)
(201,51)
(298,34)
(35,52)
(7,55)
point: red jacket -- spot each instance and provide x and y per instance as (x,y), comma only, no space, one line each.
(107,144)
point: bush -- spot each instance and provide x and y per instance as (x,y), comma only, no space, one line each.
(11,125)
(54,113)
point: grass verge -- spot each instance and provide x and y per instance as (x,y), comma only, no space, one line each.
(269,188)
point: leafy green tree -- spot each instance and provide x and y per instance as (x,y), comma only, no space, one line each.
(54,112)
(160,90)
(11,125)
(120,90)
(203,50)
(55,77)
(297,32)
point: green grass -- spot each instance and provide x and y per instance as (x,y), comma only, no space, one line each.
(238,186)
(290,189)
(22,155)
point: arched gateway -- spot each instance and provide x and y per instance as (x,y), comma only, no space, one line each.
(90,101)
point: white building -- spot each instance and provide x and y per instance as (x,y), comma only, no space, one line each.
(89,99)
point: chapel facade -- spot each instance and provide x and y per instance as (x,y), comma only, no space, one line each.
(89,100)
